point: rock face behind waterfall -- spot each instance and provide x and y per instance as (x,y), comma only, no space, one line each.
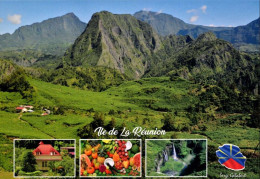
(159,162)
(163,157)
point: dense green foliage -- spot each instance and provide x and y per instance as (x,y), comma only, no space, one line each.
(206,60)
(92,78)
(6,150)
(13,79)
(29,162)
(31,58)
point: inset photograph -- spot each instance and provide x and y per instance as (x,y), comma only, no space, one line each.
(44,158)
(110,158)
(176,158)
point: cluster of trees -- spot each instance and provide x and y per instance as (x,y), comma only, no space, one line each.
(14,79)
(87,131)
(211,100)
(91,78)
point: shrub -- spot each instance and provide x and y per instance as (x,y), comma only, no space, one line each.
(29,162)
(35,173)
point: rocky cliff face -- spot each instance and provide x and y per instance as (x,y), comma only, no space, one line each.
(117,41)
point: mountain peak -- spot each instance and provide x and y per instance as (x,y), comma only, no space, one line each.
(207,36)
(164,24)
(70,14)
(53,32)
(117,41)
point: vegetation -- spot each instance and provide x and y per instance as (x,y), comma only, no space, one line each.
(13,79)
(27,57)
(92,78)
(28,163)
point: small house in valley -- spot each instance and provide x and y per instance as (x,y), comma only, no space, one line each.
(21,109)
(28,107)
(24,108)
(45,153)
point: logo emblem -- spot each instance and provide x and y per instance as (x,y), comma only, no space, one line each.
(230,156)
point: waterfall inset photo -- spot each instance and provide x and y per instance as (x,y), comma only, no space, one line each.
(176,158)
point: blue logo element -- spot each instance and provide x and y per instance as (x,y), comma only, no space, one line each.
(230,156)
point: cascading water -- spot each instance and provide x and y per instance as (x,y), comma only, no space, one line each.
(166,157)
(174,155)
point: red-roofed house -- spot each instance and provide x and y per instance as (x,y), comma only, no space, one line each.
(21,109)
(45,153)
(28,107)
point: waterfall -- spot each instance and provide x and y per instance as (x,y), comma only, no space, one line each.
(166,157)
(174,155)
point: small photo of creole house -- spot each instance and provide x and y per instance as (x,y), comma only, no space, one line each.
(44,154)
(44,158)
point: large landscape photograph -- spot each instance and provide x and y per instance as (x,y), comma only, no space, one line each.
(190,68)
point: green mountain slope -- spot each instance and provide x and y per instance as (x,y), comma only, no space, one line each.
(52,35)
(208,60)
(119,42)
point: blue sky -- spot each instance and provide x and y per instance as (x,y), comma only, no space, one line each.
(16,13)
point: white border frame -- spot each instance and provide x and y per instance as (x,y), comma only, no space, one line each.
(110,176)
(176,176)
(45,176)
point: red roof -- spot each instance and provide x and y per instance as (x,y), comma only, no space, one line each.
(19,108)
(45,149)
(28,106)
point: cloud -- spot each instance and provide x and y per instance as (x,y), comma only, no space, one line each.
(230,26)
(191,11)
(15,19)
(212,25)
(159,12)
(203,8)
(147,9)
(194,18)
(1,20)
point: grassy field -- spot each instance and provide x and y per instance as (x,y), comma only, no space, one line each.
(135,100)
(143,103)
